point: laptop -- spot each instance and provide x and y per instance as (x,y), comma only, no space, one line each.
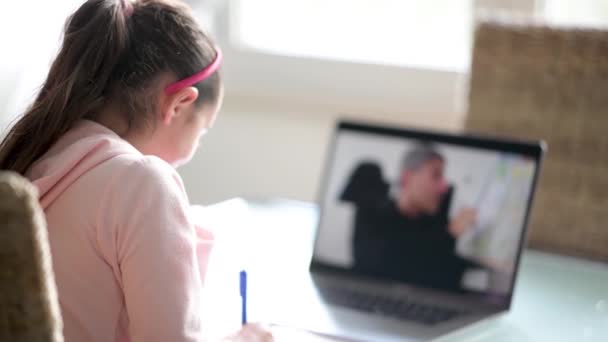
(420,234)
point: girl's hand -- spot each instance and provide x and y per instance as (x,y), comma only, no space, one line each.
(254,332)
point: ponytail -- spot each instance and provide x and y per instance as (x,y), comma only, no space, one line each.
(77,84)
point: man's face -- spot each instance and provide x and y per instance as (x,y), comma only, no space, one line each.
(425,185)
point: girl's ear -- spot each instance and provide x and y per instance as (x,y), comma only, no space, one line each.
(177,103)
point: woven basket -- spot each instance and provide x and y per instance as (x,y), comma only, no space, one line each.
(29,310)
(533,81)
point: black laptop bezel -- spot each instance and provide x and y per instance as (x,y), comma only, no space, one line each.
(532,149)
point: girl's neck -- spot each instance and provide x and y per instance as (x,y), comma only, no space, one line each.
(112,118)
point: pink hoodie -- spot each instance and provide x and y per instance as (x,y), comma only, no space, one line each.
(128,260)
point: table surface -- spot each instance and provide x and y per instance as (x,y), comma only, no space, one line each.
(556,298)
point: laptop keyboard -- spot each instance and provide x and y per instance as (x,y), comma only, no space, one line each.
(402,308)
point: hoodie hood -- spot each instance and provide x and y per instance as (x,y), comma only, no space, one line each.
(82,148)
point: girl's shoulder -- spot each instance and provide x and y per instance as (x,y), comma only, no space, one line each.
(136,190)
(138,175)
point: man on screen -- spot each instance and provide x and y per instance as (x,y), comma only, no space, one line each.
(409,237)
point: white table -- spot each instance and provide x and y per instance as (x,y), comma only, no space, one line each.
(556,298)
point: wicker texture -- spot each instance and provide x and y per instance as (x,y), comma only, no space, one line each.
(29,310)
(532,81)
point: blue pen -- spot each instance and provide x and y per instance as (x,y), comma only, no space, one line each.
(243,286)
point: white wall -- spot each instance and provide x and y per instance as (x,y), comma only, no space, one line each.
(259,150)
(272,134)
(279,112)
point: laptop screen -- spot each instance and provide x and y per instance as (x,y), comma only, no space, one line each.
(431,210)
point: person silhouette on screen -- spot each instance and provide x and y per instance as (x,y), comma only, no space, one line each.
(409,237)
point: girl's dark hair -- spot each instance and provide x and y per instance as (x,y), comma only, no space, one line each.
(113,50)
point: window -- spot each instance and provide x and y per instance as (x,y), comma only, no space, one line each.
(427,34)
(580,12)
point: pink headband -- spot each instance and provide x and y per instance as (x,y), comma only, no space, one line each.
(199,76)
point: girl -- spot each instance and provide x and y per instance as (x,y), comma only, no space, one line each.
(133,88)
